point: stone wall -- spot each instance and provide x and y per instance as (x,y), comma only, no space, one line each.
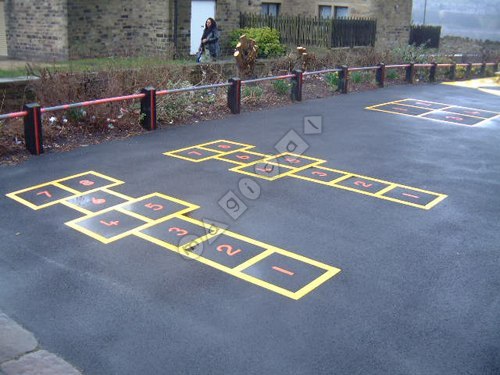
(37,31)
(393,16)
(118,27)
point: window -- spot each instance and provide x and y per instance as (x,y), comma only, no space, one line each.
(270,9)
(325,11)
(341,12)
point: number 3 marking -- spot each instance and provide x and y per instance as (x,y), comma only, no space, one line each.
(228,249)
(180,232)
(320,174)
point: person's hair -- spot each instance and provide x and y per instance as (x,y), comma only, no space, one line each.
(214,24)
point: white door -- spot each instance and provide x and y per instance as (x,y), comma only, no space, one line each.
(200,11)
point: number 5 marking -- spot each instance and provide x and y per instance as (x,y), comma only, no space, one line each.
(228,249)
(154,207)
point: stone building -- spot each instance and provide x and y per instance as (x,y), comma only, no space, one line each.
(54,30)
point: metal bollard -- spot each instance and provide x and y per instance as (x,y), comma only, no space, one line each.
(344,79)
(148,109)
(297,83)
(432,72)
(410,73)
(381,74)
(33,128)
(234,96)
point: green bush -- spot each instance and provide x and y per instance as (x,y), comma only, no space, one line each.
(356,77)
(267,39)
(253,92)
(392,74)
(281,87)
(333,80)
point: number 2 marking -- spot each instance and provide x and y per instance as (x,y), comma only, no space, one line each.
(228,249)
(180,232)
(363,184)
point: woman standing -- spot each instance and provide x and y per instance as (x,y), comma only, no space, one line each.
(210,40)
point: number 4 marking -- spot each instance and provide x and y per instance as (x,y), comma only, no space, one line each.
(46,193)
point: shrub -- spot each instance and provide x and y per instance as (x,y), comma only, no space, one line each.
(267,39)
(281,87)
(333,80)
(392,74)
(253,91)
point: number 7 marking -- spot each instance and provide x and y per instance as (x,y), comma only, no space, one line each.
(46,193)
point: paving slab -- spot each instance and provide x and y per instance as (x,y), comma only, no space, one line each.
(40,362)
(374,250)
(14,339)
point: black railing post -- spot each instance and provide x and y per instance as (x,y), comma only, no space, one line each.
(495,68)
(432,72)
(482,72)
(33,128)
(344,79)
(410,73)
(297,81)
(453,71)
(234,96)
(468,71)
(148,108)
(380,76)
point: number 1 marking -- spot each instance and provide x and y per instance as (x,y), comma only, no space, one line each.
(194,153)
(411,196)
(282,270)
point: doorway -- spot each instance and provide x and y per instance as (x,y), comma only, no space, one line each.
(200,11)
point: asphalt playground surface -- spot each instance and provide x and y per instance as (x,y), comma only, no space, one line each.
(419,286)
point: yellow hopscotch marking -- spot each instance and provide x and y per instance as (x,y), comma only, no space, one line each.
(290,171)
(57,183)
(210,230)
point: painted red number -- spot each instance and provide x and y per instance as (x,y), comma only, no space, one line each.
(472,112)
(363,184)
(98,200)
(282,270)
(87,182)
(194,153)
(411,196)
(225,147)
(46,193)
(243,157)
(154,207)
(228,249)
(292,160)
(180,232)
(266,169)
(456,118)
(400,109)
(110,224)
(320,174)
